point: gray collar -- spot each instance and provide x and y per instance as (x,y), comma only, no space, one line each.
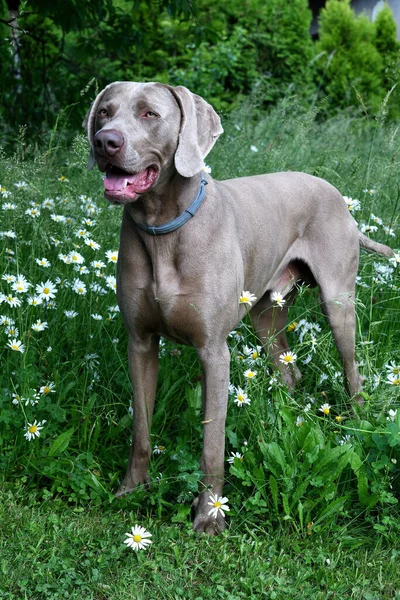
(187,214)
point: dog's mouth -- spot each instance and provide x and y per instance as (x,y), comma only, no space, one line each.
(121,187)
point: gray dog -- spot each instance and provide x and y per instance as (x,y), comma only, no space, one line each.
(190,246)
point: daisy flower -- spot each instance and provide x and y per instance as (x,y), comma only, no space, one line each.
(34,300)
(391,367)
(21,285)
(9,278)
(39,325)
(32,212)
(12,331)
(47,389)
(79,287)
(96,317)
(33,430)
(138,539)
(75,258)
(288,358)
(249,374)
(46,290)
(278,299)
(11,300)
(234,455)
(241,397)
(299,421)
(247,298)
(158,449)
(97,264)
(219,505)
(16,345)
(70,314)
(325,408)
(43,262)
(352,204)
(93,245)
(112,255)
(393,379)
(111,282)
(252,354)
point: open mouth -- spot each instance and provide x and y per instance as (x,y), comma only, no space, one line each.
(121,186)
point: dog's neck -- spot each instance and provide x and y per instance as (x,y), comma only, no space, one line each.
(171,198)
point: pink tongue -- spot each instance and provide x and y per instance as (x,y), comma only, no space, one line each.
(116,182)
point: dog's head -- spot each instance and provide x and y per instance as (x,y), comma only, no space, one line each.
(138,131)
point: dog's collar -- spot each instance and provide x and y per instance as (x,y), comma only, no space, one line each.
(187,214)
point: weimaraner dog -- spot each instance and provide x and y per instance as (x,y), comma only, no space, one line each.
(189,249)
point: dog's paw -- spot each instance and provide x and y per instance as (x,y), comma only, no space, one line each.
(129,484)
(209,525)
(124,490)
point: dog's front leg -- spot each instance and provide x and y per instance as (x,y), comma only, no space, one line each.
(143,368)
(215,364)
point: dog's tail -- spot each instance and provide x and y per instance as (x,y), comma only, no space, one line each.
(372,246)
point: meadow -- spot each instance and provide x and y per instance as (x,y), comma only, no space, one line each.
(313,482)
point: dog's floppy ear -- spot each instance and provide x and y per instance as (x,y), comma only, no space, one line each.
(200,128)
(89,122)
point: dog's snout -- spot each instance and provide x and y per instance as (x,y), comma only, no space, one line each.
(108,142)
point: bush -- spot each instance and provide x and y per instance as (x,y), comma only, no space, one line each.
(350,64)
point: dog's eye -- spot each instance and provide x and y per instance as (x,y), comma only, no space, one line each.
(150,115)
(103,113)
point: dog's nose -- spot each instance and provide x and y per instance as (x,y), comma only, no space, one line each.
(108,142)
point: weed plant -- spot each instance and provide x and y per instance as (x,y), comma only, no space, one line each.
(307,461)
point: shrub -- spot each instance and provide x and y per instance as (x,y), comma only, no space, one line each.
(350,64)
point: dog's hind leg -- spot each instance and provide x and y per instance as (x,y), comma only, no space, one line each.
(269,322)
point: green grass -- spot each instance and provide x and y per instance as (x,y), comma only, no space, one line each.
(309,486)
(49,550)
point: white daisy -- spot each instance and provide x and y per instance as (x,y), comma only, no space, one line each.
(278,298)
(247,298)
(241,398)
(39,325)
(288,358)
(46,290)
(112,255)
(138,539)
(16,345)
(233,456)
(33,430)
(219,505)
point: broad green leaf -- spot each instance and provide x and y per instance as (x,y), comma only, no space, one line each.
(61,443)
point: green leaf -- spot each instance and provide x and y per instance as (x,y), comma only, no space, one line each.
(362,479)
(61,443)
(273,486)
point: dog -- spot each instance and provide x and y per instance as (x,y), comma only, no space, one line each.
(190,246)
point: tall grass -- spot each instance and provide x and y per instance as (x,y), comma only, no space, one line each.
(294,465)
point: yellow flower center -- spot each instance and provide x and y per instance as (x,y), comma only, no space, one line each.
(240,397)
(32,429)
(396,381)
(46,389)
(217,504)
(80,290)
(396,370)
(326,411)
(137,538)
(339,418)
(250,375)
(15,347)
(244,299)
(287,359)
(254,355)
(46,291)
